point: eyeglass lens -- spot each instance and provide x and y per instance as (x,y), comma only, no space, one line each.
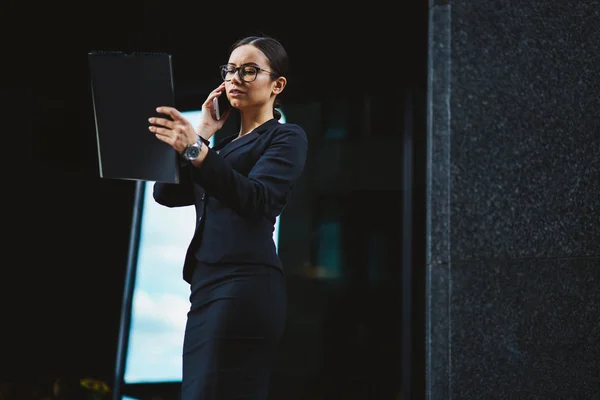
(247,73)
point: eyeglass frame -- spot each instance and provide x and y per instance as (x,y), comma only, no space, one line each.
(238,69)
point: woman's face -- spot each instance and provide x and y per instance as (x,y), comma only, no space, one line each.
(255,94)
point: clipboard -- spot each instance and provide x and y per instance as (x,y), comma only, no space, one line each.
(126,89)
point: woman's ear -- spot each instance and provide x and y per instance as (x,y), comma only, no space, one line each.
(279,85)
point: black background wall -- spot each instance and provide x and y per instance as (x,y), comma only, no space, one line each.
(514,253)
(66,231)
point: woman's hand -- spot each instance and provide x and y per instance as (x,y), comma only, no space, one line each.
(177,132)
(209,124)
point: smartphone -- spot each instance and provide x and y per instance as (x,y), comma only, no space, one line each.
(221,104)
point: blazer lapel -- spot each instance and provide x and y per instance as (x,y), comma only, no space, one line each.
(236,144)
(229,144)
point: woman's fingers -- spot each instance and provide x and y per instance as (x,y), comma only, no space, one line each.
(164,135)
(176,132)
(173,133)
(170,111)
(161,132)
(162,122)
(219,90)
(177,124)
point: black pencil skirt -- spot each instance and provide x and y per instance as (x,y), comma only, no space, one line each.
(234,325)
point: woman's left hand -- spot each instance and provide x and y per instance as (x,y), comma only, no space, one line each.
(177,133)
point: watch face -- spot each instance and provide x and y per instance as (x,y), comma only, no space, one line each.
(192,152)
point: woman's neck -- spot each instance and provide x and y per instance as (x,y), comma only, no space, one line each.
(251,121)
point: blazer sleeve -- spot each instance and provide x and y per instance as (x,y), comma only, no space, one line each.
(175,194)
(265,190)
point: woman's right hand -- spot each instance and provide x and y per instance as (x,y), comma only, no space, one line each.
(209,124)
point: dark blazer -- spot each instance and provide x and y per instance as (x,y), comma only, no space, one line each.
(240,189)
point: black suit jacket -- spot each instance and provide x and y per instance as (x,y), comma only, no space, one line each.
(240,189)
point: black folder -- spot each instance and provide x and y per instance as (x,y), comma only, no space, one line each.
(126,89)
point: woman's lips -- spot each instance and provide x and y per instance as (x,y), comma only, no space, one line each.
(235,93)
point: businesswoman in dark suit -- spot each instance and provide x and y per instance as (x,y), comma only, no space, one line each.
(239,187)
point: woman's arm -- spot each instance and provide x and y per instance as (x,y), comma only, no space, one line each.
(175,194)
(264,192)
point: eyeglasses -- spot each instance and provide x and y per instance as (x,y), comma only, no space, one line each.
(247,73)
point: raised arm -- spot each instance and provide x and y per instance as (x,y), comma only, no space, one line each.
(264,192)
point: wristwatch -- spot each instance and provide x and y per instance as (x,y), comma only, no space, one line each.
(192,151)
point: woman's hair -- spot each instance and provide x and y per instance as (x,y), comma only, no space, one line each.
(275,53)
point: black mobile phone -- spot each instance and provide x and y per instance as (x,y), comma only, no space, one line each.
(221,104)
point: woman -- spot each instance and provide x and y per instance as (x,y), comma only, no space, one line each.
(239,187)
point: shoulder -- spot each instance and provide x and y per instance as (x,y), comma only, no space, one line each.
(289,130)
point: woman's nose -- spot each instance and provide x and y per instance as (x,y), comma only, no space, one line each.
(237,76)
